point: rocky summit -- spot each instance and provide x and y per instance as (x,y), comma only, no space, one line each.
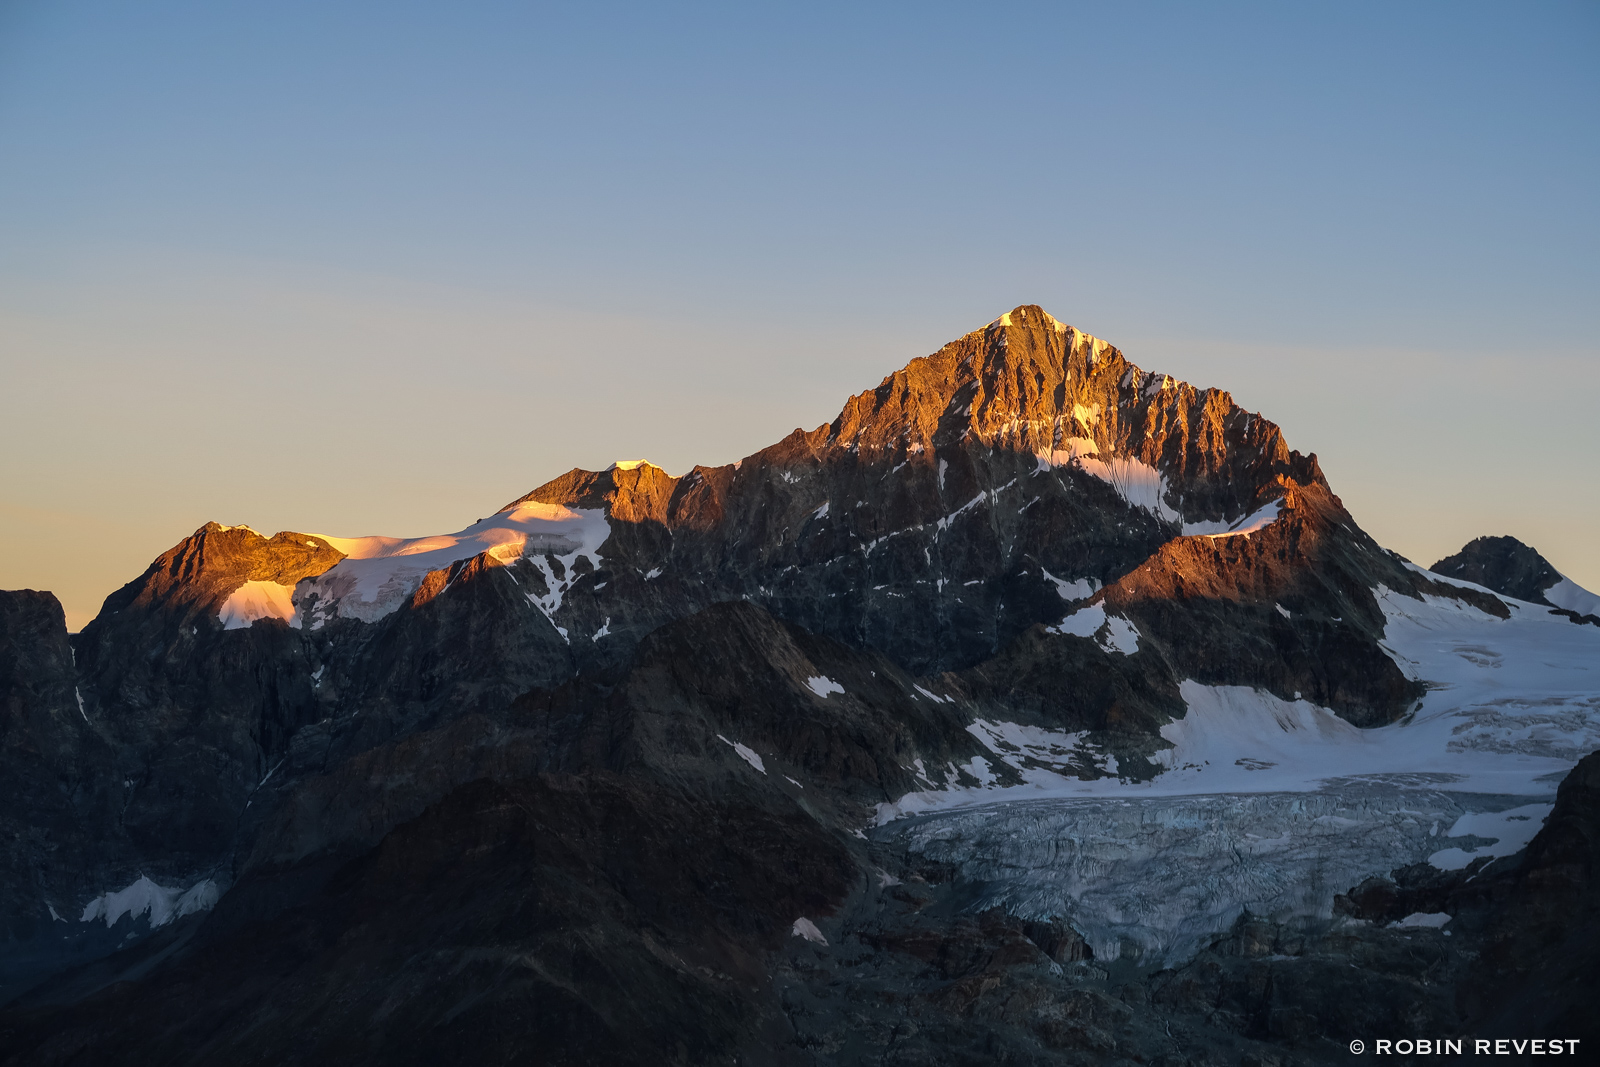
(1038,709)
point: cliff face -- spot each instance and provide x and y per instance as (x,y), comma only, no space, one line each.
(48,754)
(592,759)
(61,798)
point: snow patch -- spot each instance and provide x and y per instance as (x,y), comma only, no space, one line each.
(161,904)
(1157,383)
(746,753)
(1511,831)
(944,523)
(807,929)
(1425,920)
(823,685)
(1121,636)
(1017,745)
(1256,520)
(258,600)
(1077,589)
(1085,622)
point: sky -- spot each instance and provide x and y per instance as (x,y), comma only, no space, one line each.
(361,268)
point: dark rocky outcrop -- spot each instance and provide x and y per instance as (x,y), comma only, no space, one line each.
(61,799)
(1510,567)
(596,866)
(1503,564)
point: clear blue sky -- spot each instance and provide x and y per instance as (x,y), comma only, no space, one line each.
(379,268)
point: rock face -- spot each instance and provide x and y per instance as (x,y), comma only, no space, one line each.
(608,775)
(61,797)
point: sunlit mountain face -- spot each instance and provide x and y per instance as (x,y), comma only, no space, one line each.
(1039,708)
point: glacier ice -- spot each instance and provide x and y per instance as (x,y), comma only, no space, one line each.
(1153,878)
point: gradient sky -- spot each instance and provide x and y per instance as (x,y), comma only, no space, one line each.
(382,267)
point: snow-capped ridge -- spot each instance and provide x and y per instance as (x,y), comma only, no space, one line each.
(380,573)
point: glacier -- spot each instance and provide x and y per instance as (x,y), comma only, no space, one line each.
(1150,879)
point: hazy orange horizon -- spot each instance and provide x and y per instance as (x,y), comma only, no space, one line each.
(372,270)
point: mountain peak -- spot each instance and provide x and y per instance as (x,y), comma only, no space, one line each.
(1506,565)
(1029,383)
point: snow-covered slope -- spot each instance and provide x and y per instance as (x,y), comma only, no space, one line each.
(1570,595)
(379,573)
